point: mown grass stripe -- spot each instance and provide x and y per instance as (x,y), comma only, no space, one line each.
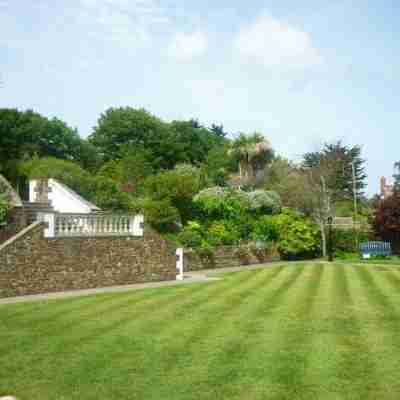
(360,364)
(384,323)
(224,366)
(165,331)
(121,317)
(290,356)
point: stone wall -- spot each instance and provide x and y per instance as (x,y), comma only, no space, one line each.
(224,257)
(16,221)
(31,264)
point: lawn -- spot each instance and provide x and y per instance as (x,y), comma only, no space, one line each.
(295,331)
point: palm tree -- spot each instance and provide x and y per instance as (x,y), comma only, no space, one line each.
(252,152)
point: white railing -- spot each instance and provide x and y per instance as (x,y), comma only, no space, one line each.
(92,225)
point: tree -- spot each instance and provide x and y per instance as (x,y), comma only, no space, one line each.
(386,220)
(305,189)
(119,128)
(277,172)
(192,141)
(252,153)
(218,130)
(341,160)
(177,187)
(217,166)
(24,134)
(67,172)
(396,176)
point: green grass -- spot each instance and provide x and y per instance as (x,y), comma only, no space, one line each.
(295,331)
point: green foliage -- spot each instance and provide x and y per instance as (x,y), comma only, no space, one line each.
(190,237)
(297,236)
(177,187)
(102,189)
(168,143)
(106,194)
(4,208)
(265,229)
(264,202)
(345,240)
(24,134)
(340,158)
(161,214)
(222,233)
(252,153)
(219,203)
(217,166)
(67,172)
(126,126)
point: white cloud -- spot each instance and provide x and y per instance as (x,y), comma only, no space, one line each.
(127,22)
(187,46)
(271,42)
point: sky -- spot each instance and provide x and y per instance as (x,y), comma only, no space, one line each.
(300,72)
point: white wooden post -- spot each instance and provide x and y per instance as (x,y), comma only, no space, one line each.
(137,225)
(179,264)
(50,219)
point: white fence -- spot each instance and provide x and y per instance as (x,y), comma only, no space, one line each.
(92,225)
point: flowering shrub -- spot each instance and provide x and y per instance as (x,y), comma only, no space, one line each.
(266,202)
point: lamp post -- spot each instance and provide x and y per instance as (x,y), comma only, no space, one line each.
(330,239)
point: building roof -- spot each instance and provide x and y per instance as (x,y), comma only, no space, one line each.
(13,196)
(92,206)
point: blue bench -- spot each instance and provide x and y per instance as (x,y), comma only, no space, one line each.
(373,249)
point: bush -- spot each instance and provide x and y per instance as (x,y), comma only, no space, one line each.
(265,229)
(221,204)
(220,233)
(175,188)
(4,208)
(297,235)
(264,202)
(67,172)
(190,237)
(345,240)
(161,214)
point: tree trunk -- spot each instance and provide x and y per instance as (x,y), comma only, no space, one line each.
(323,238)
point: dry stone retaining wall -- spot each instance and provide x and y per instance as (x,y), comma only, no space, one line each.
(223,257)
(31,264)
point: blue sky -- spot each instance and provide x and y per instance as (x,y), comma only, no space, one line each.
(301,72)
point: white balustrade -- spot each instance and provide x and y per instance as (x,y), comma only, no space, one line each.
(78,225)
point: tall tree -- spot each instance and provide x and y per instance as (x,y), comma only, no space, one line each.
(118,128)
(252,153)
(342,161)
(24,134)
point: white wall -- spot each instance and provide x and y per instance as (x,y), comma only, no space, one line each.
(62,200)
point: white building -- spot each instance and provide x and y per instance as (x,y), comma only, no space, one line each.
(61,197)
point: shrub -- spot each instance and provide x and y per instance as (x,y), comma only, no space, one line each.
(265,229)
(190,237)
(67,172)
(161,214)
(220,233)
(264,202)
(4,208)
(108,196)
(175,187)
(217,203)
(297,235)
(345,240)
